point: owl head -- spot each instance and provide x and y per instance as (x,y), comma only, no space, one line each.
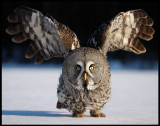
(83,68)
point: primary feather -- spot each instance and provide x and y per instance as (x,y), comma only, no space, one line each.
(50,38)
(123,32)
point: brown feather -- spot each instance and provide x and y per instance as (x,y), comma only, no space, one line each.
(148,30)
(139,13)
(12,18)
(68,37)
(136,46)
(15,29)
(32,50)
(123,32)
(144,36)
(21,37)
(39,58)
(146,21)
(51,39)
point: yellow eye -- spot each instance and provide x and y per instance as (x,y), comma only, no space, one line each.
(78,68)
(91,68)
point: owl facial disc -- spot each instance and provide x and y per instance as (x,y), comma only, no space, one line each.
(84,67)
(85,78)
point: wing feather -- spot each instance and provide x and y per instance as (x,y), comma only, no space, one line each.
(123,32)
(50,38)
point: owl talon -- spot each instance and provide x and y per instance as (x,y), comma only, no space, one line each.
(60,105)
(78,114)
(97,113)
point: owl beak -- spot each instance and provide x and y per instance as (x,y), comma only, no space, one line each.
(85,76)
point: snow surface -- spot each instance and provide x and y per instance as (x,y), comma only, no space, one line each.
(29,97)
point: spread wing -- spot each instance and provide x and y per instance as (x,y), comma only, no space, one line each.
(49,37)
(123,32)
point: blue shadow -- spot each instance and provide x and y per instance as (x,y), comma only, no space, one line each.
(35,113)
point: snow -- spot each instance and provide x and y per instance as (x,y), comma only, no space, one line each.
(29,97)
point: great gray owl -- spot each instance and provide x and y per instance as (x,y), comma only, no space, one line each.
(85,80)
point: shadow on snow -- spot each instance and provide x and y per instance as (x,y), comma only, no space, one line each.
(35,113)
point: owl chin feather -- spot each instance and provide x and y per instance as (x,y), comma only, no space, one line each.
(88,85)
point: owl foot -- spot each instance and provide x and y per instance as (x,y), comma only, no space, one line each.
(60,105)
(97,113)
(78,114)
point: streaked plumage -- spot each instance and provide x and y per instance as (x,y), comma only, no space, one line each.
(85,80)
(123,32)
